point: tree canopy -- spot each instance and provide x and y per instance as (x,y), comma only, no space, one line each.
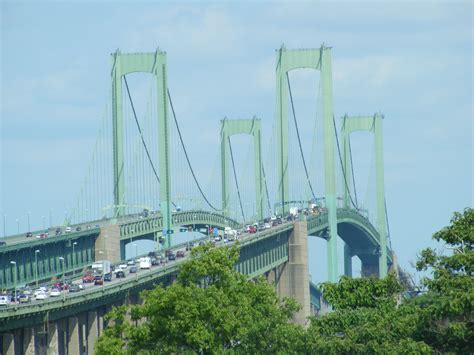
(211,308)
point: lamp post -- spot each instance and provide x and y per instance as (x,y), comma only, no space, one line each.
(36,266)
(28,217)
(4,225)
(43,217)
(17,226)
(51,217)
(61,259)
(194,222)
(14,280)
(73,257)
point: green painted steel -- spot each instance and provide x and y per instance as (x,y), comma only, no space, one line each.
(44,265)
(154,224)
(241,126)
(371,124)
(318,59)
(155,64)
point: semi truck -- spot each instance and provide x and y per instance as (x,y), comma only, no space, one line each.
(101,267)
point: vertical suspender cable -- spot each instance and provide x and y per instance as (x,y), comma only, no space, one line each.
(235,177)
(352,170)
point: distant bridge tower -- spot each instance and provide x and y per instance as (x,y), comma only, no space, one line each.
(371,124)
(318,59)
(251,127)
(155,64)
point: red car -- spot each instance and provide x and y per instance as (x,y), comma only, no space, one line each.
(87,278)
(252,229)
(180,254)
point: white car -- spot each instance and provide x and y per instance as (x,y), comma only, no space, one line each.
(41,295)
(68,230)
(55,292)
(123,267)
(268,226)
(4,300)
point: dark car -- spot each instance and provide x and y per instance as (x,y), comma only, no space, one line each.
(78,229)
(168,252)
(108,277)
(133,269)
(29,235)
(180,254)
(189,246)
(98,280)
(74,288)
(120,274)
(171,256)
(155,261)
(152,254)
(2,243)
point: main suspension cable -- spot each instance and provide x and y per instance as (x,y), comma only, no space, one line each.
(342,166)
(352,170)
(141,134)
(235,177)
(187,157)
(299,140)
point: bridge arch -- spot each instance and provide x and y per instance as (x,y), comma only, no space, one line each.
(155,64)
(241,126)
(318,59)
(370,124)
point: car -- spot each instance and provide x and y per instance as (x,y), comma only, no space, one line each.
(4,300)
(41,295)
(131,262)
(252,229)
(22,298)
(119,274)
(167,252)
(180,254)
(87,278)
(217,238)
(68,230)
(55,292)
(163,259)
(60,285)
(78,229)
(75,288)
(58,231)
(2,243)
(155,261)
(108,277)
(189,246)
(89,226)
(152,254)
(29,234)
(133,269)
(268,225)
(98,280)
(26,290)
(171,256)
(122,267)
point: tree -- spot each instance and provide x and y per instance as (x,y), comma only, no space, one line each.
(365,319)
(448,303)
(211,308)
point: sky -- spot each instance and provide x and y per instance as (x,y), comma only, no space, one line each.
(411,61)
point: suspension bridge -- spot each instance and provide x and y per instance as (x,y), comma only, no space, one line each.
(141,184)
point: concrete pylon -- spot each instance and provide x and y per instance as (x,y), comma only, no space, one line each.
(28,341)
(73,336)
(8,347)
(52,340)
(92,331)
(293,279)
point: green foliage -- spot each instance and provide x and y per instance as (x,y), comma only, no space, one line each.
(366,319)
(210,308)
(448,305)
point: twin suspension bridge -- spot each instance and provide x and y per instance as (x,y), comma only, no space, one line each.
(141,184)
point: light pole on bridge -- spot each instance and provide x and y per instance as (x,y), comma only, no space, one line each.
(51,217)
(17,226)
(28,217)
(73,257)
(44,225)
(4,225)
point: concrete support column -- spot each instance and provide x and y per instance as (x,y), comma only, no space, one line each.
(271,276)
(92,331)
(73,336)
(370,267)
(108,242)
(28,341)
(8,347)
(347,260)
(52,339)
(294,279)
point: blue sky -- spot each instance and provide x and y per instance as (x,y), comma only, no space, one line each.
(412,61)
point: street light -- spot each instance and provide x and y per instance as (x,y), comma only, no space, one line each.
(4,225)
(73,257)
(17,226)
(28,215)
(36,266)
(14,280)
(43,217)
(51,217)
(194,223)
(64,288)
